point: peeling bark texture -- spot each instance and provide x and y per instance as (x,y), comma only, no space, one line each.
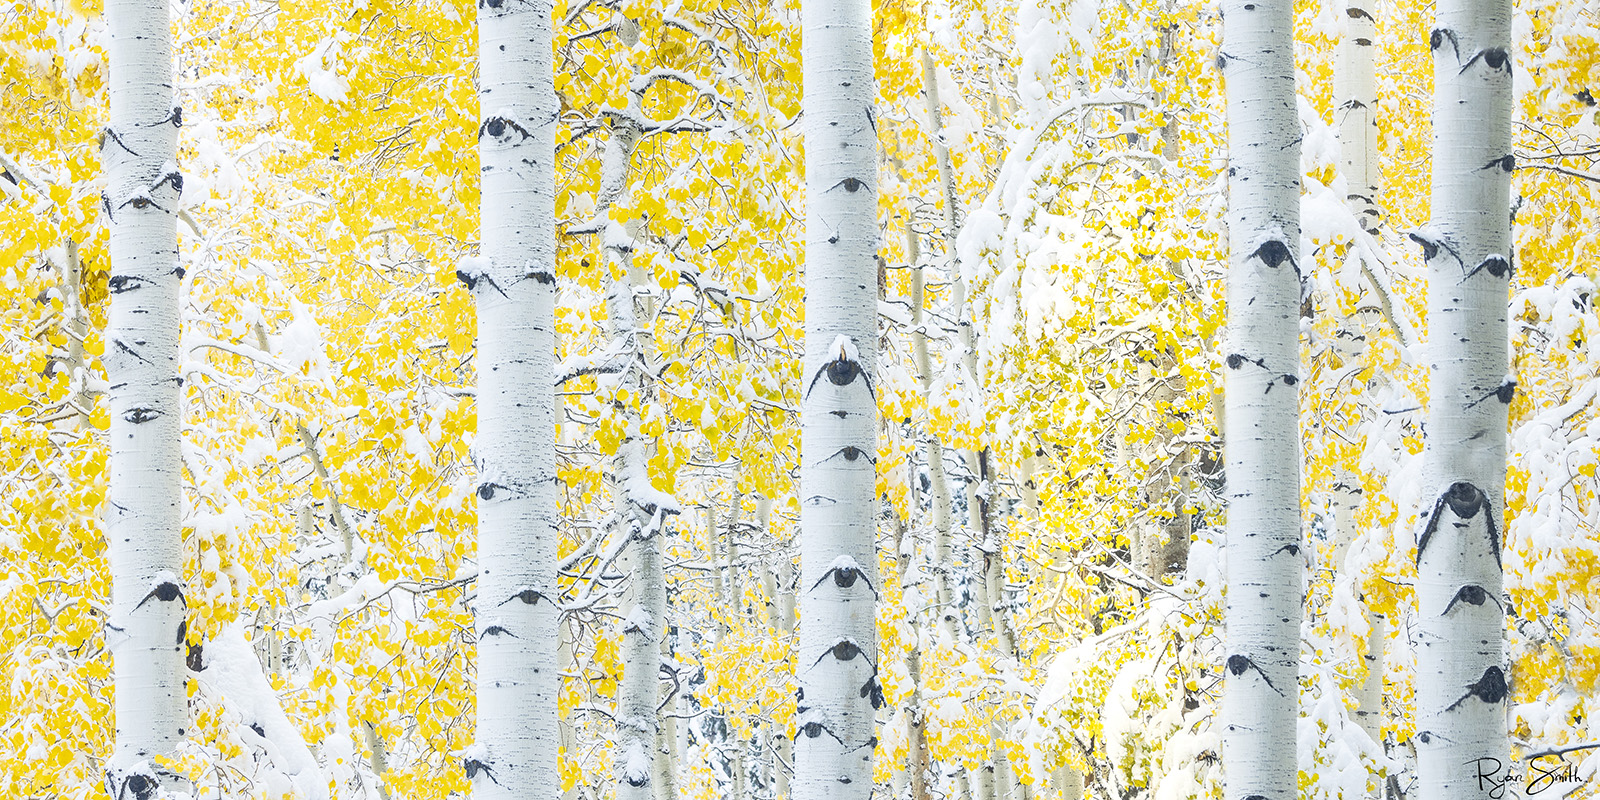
(1461,666)
(837,669)
(514,285)
(1260,695)
(144,539)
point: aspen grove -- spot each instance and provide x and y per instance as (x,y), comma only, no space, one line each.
(811,399)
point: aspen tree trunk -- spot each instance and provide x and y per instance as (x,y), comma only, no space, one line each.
(1461,680)
(1262,640)
(1356,89)
(641,509)
(514,285)
(938,482)
(837,670)
(567,662)
(778,582)
(144,541)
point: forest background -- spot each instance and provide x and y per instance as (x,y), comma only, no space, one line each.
(1051,300)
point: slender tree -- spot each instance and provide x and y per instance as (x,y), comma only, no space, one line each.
(1356,90)
(146,632)
(1263,607)
(1461,681)
(837,671)
(514,284)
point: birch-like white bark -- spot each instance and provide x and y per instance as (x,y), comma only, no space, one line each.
(778,583)
(1355,88)
(1263,607)
(1461,679)
(514,285)
(146,631)
(837,670)
(933,451)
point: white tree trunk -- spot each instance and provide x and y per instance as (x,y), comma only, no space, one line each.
(837,670)
(933,450)
(514,285)
(145,545)
(778,584)
(1461,680)
(1355,87)
(1261,694)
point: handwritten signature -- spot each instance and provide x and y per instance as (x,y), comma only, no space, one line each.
(1493,776)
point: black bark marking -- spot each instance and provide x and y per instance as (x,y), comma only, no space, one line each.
(1273,253)
(1436,39)
(1290,380)
(472,765)
(1495,58)
(1237,360)
(1431,246)
(1507,163)
(874,691)
(851,185)
(814,729)
(1353,13)
(174,177)
(130,351)
(176,117)
(498,630)
(841,371)
(545,277)
(179,271)
(143,787)
(183,631)
(1471,594)
(486,491)
(140,416)
(1465,501)
(1293,549)
(496,126)
(527,596)
(195,659)
(846,577)
(1505,393)
(109,134)
(1491,688)
(166,592)
(1237,664)
(122,283)
(1497,266)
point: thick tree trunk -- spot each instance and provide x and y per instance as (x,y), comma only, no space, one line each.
(1261,694)
(837,669)
(1461,680)
(514,285)
(145,545)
